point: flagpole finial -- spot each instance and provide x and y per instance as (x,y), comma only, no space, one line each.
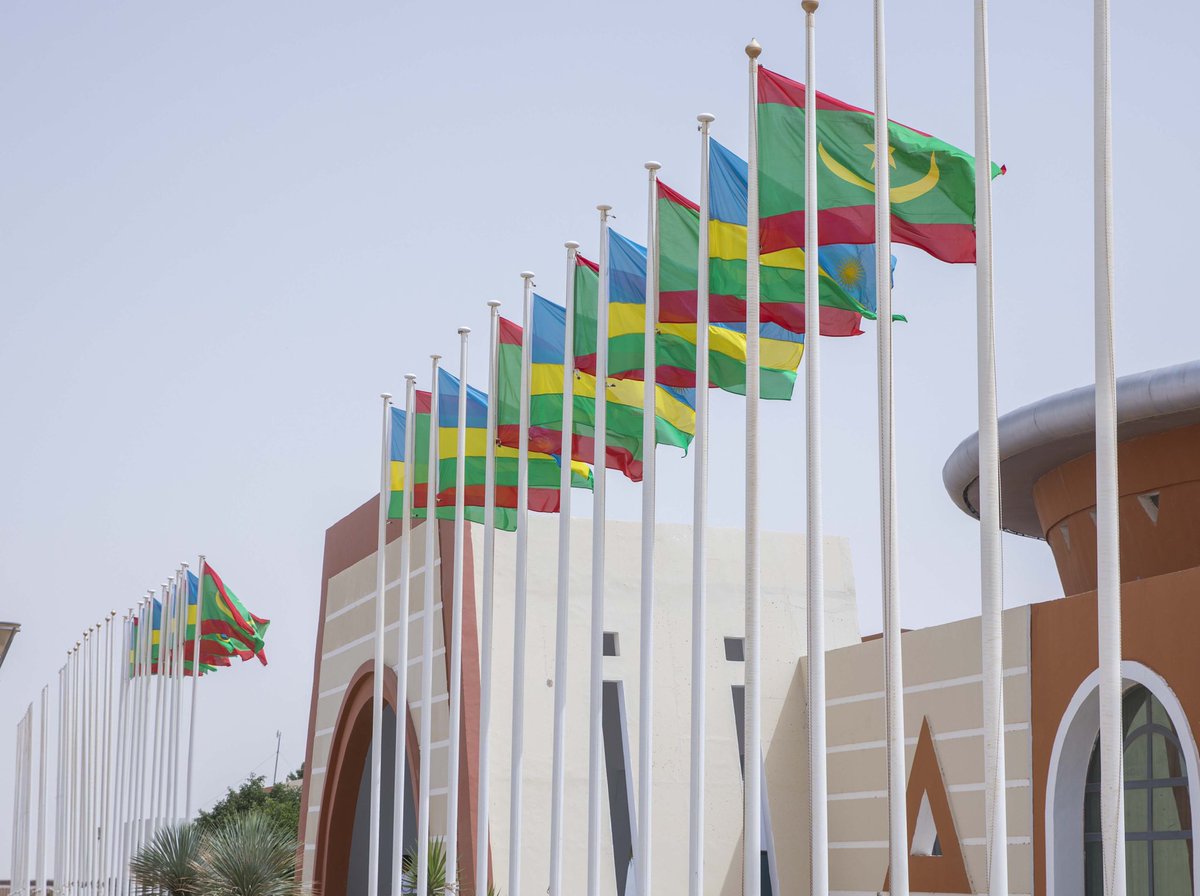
(526,275)
(386,396)
(493,304)
(706,118)
(571,244)
(653,166)
(436,357)
(463,331)
(411,377)
(604,208)
(753,49)
(810,6)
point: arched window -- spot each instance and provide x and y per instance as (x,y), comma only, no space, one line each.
(1158,822)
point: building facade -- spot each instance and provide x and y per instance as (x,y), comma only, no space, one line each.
(1051,719)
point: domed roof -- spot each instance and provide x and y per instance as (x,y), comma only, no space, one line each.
(1046,434)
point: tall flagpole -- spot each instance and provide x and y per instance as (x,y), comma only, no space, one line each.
(400,778)
(485,633)
(649,441)
(752,821)
(122,749)
(196,675)
(990,556)
(157,670)
(596,677)
(145,636)
(177,688)
(89,777)
(106,766)
(700,535)
(893,667)
(385,479)
(817,773)
(39,862)
(456,616)
(1108,533)
(72,816)
(562,612)
(521,598)
(426,737)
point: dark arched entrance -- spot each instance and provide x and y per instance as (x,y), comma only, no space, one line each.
(343,835)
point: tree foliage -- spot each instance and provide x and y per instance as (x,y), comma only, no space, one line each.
(280,804)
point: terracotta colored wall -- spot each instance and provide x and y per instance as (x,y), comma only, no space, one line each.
(1168,463)
(1160,618)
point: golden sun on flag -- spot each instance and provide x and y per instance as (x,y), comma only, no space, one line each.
(850,272)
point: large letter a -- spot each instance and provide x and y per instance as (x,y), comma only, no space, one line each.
(935,859)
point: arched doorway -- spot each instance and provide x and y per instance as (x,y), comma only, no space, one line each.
(343,837)
(1152,710)
(1158,818)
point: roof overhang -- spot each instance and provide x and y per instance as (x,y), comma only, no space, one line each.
(1042,436)
(7,631)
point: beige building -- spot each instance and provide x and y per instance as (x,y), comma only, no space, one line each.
(1051,718)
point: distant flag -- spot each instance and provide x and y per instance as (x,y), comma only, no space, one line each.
(933,182)
(225,620)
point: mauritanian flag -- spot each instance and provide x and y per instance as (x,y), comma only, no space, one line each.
(679,246)
(932,182)
(846,277)
(675,405)
(225,619)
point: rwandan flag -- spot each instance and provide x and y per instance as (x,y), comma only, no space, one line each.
(543,469)
(548,341)
(679,246)
(675,406)
(932,182)
(847,283)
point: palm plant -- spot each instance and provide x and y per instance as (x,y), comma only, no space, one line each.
(248,856)
(166,864)
(437,871)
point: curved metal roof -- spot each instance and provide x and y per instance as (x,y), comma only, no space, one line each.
(1039,437)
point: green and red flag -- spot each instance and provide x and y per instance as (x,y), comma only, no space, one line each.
(224,620)
(932,182)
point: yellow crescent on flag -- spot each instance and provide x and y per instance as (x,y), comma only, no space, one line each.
(903,193)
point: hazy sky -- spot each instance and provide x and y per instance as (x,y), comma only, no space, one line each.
(226,227)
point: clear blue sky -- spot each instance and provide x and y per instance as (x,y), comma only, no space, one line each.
(226,227)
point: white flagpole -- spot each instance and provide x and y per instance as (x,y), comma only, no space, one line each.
(486,625)
(39,862)
(89,776)
(400,776)
(752,822)
(1108,532)
(122,749)
(106,753)
(72,816)
(15,863)
(649,442)
(55,865)
(426,740)
(131,778)
(596,677)
(700,535)
(456,617)
(817,774)
(180,674)
(893,667)
(173,683)
(562,611)
(385,446)
(196,662)
(146,636)
(156,788)
(521,597)
(990,549)
(381,623)
(168,673)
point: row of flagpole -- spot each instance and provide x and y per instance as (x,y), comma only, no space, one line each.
(119,750)
(990,545)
